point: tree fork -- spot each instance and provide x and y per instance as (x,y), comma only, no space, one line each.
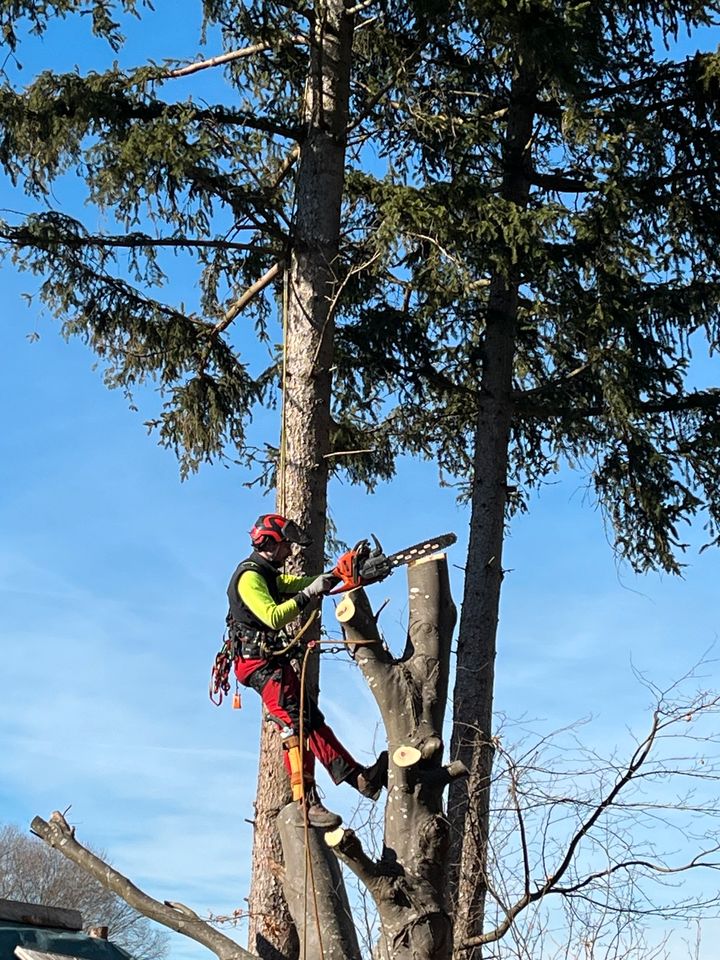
(411,692)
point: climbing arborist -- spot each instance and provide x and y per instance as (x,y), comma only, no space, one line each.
(262,601)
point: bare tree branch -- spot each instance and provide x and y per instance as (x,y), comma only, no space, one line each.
(666,716)
(60,835)
(224,58)
(251,292)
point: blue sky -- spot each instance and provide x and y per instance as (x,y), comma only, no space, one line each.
(113,578)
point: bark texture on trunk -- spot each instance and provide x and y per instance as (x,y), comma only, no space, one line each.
(302,491)
(315,892)
(469,801)
(407,882)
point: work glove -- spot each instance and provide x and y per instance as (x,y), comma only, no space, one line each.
(320,586)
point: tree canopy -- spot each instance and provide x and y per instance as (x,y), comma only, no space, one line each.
(612,245)
(525,275)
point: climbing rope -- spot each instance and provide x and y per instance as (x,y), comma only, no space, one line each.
(306,826)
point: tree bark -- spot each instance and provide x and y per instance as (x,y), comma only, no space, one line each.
(469,801)
(407,882)
(309,328)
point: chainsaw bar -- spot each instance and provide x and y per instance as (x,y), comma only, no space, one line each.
(423,549)
(362,565)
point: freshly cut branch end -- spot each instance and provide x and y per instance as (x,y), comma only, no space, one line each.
(431,558)
(334,837)
(406,756)
(345,610)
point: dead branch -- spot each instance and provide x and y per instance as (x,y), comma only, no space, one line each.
(61,836)
(250,293)
(224,58)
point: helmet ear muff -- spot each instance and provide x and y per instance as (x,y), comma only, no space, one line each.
(295,534)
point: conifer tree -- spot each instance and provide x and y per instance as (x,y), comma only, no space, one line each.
(557,212)
(522,286)
(248,191)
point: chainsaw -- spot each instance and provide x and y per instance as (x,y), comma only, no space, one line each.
(366,564)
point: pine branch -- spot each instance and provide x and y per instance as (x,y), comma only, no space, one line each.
(561,182)
(705,400)
(22,237)
(112,105)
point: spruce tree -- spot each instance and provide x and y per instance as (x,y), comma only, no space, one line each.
(522,285)
(553,210)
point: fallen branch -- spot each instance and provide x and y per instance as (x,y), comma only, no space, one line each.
(61,836)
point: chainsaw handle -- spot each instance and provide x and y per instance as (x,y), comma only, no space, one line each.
(343,588)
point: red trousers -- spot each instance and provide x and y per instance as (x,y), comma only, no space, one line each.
(279,686)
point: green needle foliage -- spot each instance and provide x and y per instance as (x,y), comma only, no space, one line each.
(611,248)
(604,225)
(528,274)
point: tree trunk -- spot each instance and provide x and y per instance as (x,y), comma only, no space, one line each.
(407,882)
(469,801)
(302,487)
(315,891)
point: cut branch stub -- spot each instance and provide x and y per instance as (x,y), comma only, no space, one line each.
(354,610)
(334,837)
(406,756)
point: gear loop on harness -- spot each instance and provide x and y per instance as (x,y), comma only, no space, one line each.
(220,674)
(232,648)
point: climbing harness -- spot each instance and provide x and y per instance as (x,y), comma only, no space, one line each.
(232,648)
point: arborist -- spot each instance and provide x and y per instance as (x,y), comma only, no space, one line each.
(263,601)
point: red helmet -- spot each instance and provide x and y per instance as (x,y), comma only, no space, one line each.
(276,529)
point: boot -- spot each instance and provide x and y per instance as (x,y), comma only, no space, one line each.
(317,814)
(371,780)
